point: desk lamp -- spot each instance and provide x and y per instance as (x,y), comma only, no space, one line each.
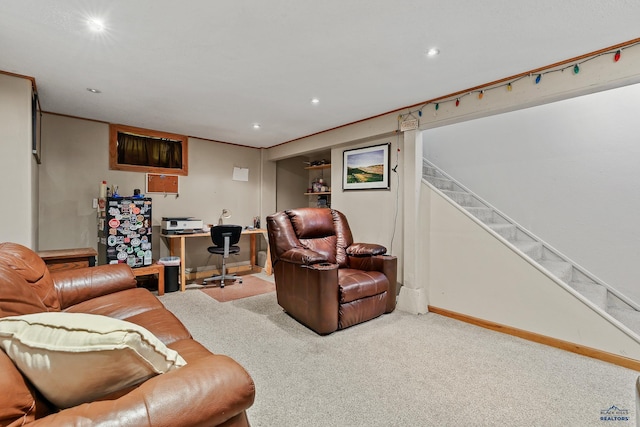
(226,213)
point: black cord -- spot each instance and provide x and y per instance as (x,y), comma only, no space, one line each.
(395,170)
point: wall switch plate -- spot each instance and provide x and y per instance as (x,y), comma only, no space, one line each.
(95,203)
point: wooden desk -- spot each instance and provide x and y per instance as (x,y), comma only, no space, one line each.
(67,259)
(177,244)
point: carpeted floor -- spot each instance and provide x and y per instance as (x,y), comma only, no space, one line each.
(251,285)
(402,370)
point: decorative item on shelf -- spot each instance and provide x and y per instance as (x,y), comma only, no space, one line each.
(317,185)
(323,201)
(102,197)
(314,166)
(226,213)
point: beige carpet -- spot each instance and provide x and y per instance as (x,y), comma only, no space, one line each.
(402,370)
(250,286)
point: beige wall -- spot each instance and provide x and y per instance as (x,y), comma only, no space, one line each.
(291,183)
(19,172)
(474,273)
(76,160)
(370,213)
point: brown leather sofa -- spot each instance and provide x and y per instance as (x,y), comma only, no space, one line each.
(210,390)
(323,279)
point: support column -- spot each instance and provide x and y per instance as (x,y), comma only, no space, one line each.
(413,294)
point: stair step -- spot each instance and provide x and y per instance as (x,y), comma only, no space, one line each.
(594,292)
(429,171)
(562,270)
(530,248)
(440,183)
(614,302)
(483,214)
(462,198)
(508,231)
(629,318)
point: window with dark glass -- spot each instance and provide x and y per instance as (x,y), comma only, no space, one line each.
(144,150)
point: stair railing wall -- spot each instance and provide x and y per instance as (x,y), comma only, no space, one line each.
(546,247)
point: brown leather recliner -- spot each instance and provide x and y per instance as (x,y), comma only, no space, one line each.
(323,279)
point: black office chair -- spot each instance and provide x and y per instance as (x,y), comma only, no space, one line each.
(225,238)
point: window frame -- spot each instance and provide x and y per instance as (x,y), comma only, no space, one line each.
(113,150)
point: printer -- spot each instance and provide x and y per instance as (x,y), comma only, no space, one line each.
(181,225)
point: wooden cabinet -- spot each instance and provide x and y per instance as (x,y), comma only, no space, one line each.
(69,259)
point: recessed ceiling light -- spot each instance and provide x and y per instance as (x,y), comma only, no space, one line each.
(256,125)
(96,24)
(92,90)
(315,101)
(433,51)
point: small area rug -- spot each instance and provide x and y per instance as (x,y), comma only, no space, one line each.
(250,286)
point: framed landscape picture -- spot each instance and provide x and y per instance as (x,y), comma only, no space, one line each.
(366,168)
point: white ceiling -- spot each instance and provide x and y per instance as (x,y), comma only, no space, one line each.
(211,69)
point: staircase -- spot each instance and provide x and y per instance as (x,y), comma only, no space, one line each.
(602,296)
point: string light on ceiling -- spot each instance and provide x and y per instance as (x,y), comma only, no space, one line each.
(535,76)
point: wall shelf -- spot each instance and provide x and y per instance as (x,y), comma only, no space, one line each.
(322,198)
(325,166)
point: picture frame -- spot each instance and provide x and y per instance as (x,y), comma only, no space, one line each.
(366,168)
(36,128)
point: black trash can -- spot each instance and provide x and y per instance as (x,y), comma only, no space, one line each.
(171,271)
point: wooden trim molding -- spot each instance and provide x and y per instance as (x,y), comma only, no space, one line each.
(542,339)
(21,76)
(113,150)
